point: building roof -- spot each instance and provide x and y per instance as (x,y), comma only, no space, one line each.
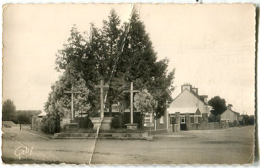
(43,113)
(195,94)
(182,110)
(237,113)
(204,96)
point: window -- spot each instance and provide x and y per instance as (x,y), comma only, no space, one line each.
(183,120)
(161,120)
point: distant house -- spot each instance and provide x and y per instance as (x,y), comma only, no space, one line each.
(42,114)
(189,102)
(230,115)
(36,121)
(241,120)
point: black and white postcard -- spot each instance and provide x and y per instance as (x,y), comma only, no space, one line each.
(168,84)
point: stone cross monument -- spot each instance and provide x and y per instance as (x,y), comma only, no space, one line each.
(101,86)
(72,92)
(132,125)
(101,122)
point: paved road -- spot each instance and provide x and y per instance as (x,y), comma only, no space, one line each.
(233,145)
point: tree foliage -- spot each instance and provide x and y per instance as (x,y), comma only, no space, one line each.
(145,102)
(119,57)
(8,111)
(25,116)
(50,124)
(139,63)
(59,102)
(218,105)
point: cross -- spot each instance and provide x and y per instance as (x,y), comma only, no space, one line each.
(101,86)
(132,91)
(72,97)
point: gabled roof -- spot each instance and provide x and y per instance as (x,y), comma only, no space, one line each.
(195,94)
(183,110)
(43,113)
(232,111)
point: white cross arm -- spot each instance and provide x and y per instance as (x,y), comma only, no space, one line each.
(127,91)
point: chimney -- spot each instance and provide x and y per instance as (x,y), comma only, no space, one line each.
(186,86)
(230,106)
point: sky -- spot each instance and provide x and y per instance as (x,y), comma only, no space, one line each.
(210,46)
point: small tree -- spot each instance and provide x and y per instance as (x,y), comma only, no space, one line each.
(145,102)
(218,106)
(8,111)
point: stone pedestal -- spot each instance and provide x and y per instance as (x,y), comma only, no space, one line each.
(104,125)
(132,126)
(96,122)
(64,121)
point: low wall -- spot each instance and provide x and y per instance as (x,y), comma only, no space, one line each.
(140,136)
(208,126)
(213,125)
(224,124)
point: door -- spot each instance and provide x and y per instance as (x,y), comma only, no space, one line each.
(183,122)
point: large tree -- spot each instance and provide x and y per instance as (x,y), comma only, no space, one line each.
(218,105)
(139,63)
(119,55)
(8,111)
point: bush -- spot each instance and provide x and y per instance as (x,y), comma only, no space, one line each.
(50,124)
(84,122)
(115,122)
(213,118)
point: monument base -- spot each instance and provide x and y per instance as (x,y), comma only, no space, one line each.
(104,125)
(71,126)
(132,126)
